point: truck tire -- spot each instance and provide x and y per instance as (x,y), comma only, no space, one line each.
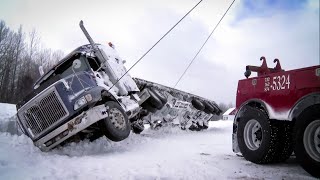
(197,104)
(154,101)
(147,106)
(307,140)
(137,126)
(116,126)
(257,136)
(202,126)
(216,110)
(159,95)
(209,109)
(194,127)
(285,147)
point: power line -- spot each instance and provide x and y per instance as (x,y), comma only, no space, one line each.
(203,45)
(156,44)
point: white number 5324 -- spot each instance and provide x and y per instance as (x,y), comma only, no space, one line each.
(280,82)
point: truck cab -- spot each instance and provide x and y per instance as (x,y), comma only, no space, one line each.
(86,95)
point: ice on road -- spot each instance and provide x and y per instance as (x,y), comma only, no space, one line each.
(162,154)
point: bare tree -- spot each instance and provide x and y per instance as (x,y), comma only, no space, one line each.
(20,58)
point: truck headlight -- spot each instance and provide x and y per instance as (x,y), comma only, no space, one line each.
(82,101)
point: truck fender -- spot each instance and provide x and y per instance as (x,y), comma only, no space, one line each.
(303,103)
(252,102)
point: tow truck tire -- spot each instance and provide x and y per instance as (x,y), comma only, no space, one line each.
(209,109)
(116,126)
(197,104)
(307,140)
(257,136)
(285,148)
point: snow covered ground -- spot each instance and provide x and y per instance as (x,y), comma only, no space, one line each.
(163,154)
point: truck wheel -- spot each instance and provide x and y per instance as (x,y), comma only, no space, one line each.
(159,95)
(257,136)
(194,127)
(147,106)
(154,101)
(208,108)
(137,126)
(116,126)
(197,104)
(307,139)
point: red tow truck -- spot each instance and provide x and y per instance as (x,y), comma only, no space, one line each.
(278,113)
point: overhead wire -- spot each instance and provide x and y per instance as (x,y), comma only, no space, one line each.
(203,45)
(156,43)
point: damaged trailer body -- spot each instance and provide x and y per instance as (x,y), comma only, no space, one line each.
(182,109)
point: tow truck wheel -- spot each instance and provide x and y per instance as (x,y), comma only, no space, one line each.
(257,137)
(285,147)
(116,126)
(307,139)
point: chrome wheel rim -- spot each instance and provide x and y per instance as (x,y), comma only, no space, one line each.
(311,140)
(117,118)
(252,134)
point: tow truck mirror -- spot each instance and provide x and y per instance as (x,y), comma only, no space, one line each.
(76,64)
(247,73)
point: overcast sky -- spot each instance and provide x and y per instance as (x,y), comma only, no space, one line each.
(284,29)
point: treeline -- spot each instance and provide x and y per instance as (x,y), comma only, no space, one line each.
(21,54)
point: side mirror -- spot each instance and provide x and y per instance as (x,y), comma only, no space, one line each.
(41,70)
(124,61)
(76,64)
(247,73)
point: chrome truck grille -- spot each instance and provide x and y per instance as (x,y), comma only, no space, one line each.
(43,112)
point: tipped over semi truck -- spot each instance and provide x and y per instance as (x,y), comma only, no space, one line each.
(278,113)
(89,94)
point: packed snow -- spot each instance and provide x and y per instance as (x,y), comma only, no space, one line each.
(167,153)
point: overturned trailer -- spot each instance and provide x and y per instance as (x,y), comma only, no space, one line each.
(182,109)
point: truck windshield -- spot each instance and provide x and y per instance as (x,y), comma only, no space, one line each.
(62,71)
(67,69)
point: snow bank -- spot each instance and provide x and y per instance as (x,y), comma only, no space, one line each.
(8,118)
(7,111)
(163,154)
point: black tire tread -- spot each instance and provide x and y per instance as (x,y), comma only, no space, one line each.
(306,117)
(285,147)
(269,153)
(159,95)
(153,100)
(108,129)
(209,109)
(197,104)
